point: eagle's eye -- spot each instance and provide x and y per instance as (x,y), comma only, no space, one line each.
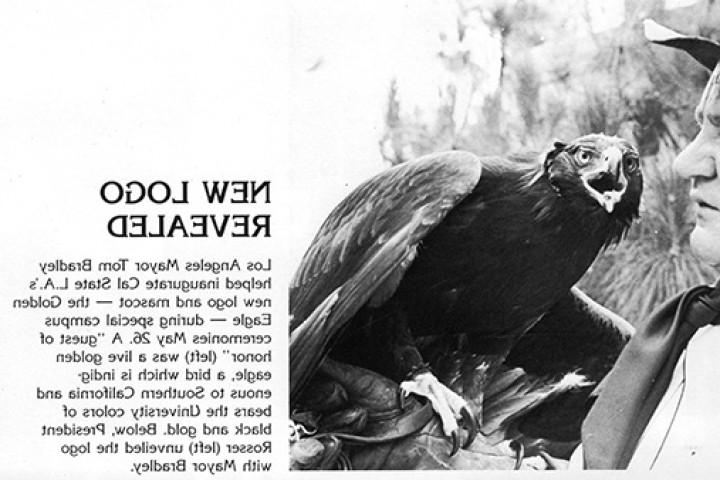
(631,164)
(584,157)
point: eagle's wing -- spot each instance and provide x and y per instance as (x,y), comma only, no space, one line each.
(365,246)
(575,335)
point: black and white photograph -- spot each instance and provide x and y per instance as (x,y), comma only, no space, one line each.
(290,238)
(547,192)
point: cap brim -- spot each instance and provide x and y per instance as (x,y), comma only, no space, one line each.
(704,50)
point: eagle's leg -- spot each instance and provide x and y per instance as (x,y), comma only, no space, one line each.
(420,380)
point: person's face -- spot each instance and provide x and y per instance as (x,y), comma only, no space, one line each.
(700,162)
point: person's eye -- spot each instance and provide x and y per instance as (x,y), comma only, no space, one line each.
(714,120)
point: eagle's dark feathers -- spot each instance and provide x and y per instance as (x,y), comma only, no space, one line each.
(458,244)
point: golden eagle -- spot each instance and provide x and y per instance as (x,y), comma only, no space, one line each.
(469,251)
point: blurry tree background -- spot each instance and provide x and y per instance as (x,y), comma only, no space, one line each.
(520,73)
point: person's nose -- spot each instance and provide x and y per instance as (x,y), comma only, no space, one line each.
(700,157)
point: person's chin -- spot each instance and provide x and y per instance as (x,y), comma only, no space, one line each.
(705,242)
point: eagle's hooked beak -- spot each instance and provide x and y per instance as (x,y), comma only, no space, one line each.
(606,181)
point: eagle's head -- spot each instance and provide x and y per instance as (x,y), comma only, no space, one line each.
(599,170)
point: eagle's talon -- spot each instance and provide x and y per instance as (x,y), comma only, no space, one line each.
(471,424)
(455,442)
(519,449)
